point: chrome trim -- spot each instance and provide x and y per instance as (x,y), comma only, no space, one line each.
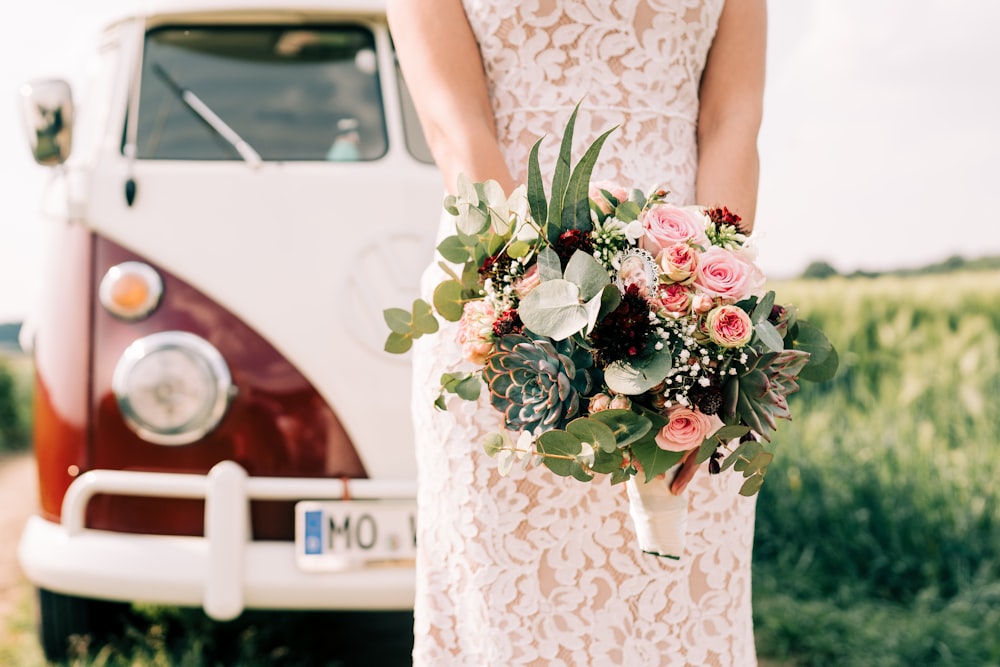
(198,349)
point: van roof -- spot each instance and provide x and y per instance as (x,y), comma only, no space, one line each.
(182,8)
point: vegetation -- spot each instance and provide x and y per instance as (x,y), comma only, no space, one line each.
(878,529)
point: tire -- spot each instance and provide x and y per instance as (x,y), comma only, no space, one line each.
(62,616)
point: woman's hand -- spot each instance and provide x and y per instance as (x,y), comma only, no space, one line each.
(684,474)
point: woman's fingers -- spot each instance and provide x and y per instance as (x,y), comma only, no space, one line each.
(684,473)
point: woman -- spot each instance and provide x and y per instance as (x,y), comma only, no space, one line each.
(532,568)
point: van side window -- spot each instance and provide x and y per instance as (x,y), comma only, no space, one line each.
(288,93)
(415,141)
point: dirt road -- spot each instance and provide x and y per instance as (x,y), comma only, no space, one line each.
(18,500)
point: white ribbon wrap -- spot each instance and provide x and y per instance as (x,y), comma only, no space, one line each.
(660,517)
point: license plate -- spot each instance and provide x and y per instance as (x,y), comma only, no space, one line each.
(332,535)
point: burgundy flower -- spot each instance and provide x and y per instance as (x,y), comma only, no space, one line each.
(570,241)
(626,331)
(509,322)
(723,216)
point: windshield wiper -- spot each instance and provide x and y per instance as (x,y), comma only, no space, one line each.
(212,119)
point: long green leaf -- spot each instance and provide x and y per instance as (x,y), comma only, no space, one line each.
(536,188)
(576,203)
(560,179)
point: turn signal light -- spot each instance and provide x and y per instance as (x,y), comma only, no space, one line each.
(131,290)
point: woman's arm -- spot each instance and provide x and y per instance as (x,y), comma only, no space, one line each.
(440,60)
(732,91)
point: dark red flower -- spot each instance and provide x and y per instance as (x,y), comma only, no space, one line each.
(626,331)
(569,242)
(723,216)
(509,322)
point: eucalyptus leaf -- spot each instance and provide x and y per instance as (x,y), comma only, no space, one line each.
(588,273)
(400,321)
(636,378)
(559,449)
(810,339)
(471,219)
(654,461)
(752,486)
(448,300)
(762,310)
(593,310)
(493,444)
(397,343)
(553,309)
(611,298)
(627,211)
(424,321)
(607,462)
(451,204)
(769,335)
(549,266)
(626,426)
(469,388)
(519,249)
(594,432)
(453,250)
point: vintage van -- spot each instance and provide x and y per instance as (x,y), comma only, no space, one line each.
(241,191)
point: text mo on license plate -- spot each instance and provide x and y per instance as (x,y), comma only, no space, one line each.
(336,533)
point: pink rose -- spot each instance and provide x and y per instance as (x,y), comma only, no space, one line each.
(678,262)
(527,282)
(687,429)
(596,196)
(475,331)
(676,298)
(701,303)
(599,403)
(727,275)
(620,402)
(729,326)
(666,225)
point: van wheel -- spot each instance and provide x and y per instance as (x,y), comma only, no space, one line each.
(62,616)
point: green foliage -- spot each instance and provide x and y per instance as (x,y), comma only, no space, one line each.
(15,404)
(878,531)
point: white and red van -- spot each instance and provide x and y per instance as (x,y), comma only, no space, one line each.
(240,193)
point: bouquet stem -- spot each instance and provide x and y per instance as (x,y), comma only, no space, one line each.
(659,516)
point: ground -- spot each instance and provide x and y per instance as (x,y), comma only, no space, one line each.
(18,500)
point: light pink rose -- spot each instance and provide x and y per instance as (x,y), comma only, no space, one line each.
(620,402)
(676,298)
(666,224)
(702,303)
(475,331)
(599,403)
(727,275)
(529,281)
(729,326)
(678,262)
(596,196)
(687,429)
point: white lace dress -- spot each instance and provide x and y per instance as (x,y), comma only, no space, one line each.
(535,569)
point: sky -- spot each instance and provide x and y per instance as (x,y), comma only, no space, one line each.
(880,135)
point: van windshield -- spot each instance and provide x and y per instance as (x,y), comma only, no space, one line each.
(226,93)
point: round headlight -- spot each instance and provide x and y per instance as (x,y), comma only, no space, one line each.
(172,387)
(131,290)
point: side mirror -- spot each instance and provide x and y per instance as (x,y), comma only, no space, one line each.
(47,109)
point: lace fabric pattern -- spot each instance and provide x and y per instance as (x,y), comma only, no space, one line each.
(531,568)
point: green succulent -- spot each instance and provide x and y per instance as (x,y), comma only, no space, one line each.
(537,383)
(759,395)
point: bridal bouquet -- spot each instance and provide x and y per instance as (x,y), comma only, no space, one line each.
(616,334)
